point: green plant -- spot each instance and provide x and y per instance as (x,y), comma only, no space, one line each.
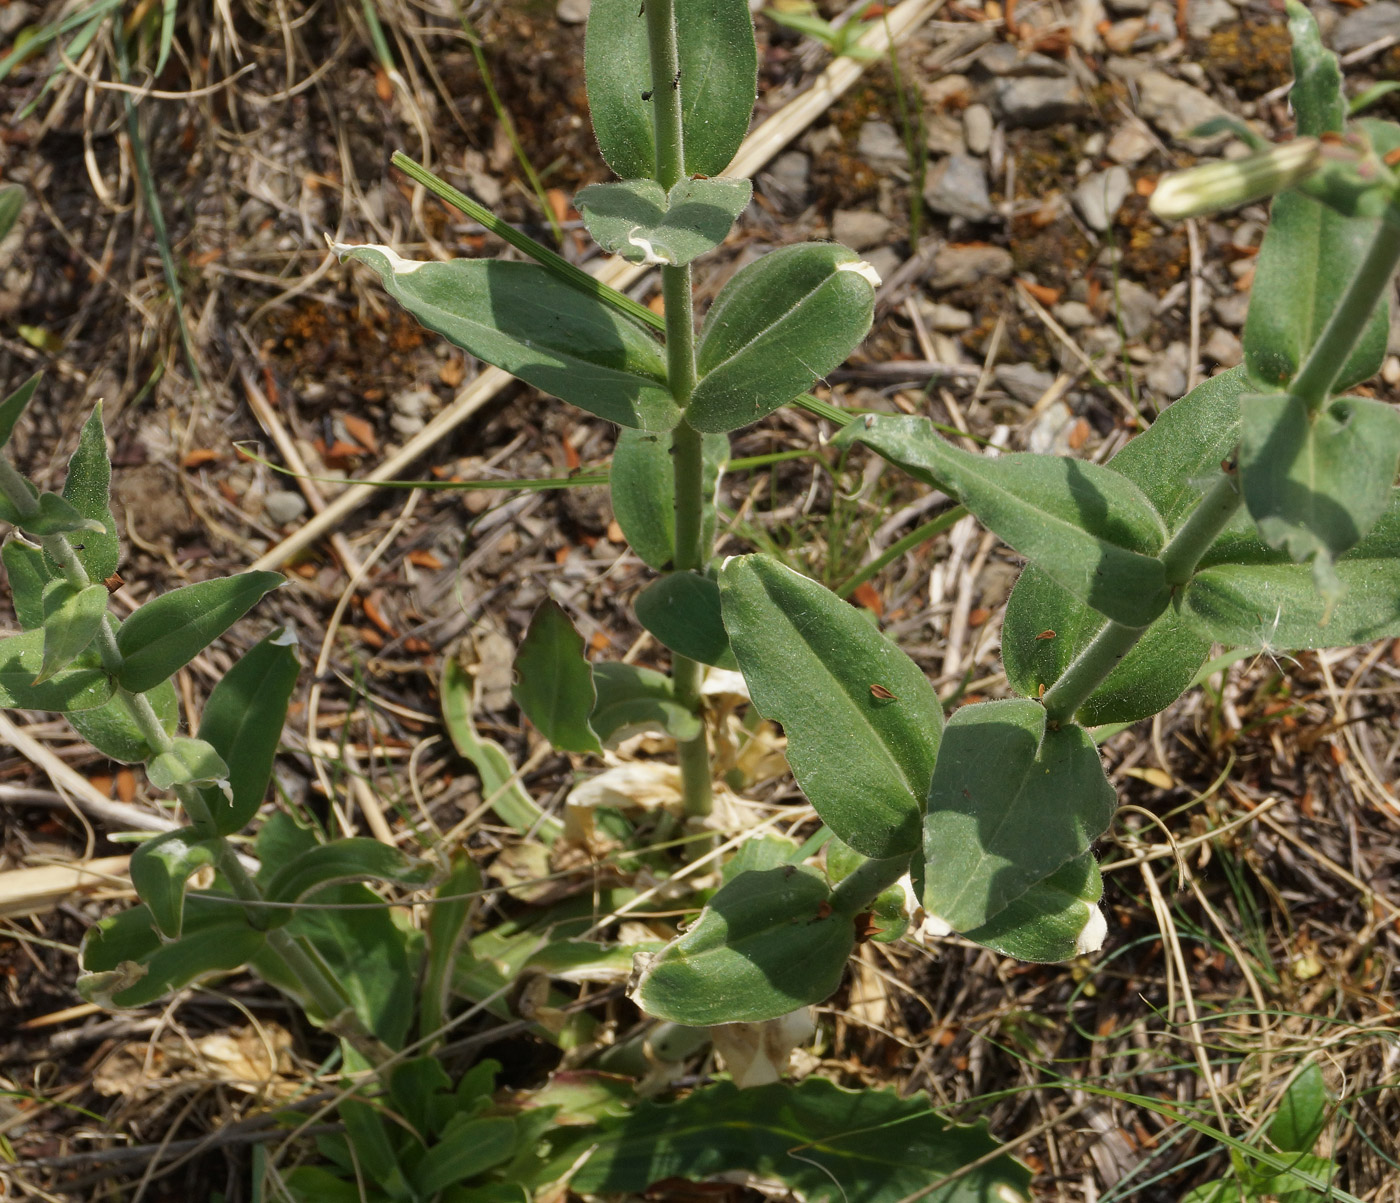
(842,39)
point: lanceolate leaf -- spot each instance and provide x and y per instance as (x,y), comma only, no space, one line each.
(1011,802)
(1088,527)
(160,868)
(80,686)
(1303,1112)
(13,406)
(354,859)
(55,516)
(778,325)
(1054,920)
(113,732)
(682,610)
(642,482)
(641,221)
(526,321)
(633,699)
(554,683)
(11,203)
(71,620)
(243,720)
(470,1146)
(169,631)
(87,488)
(862,722)
(879,1147)
(1316,485)
(767,944)
(718,83)
(27,574)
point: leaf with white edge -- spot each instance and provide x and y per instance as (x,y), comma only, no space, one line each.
(72,617)
(27,574)
(1246,595)
(169,631)
(13,406)
(243,721)
(162,866)
(1011,802)
(1045,627)
(554,681)
(1057,919)
(188,762)
(1087,526)
(815,665)
(54,516)
(525,320)
(81,686)
(633,699)
(1303,1111)
(879,1147)
(682,610)
(642,222)
(717,82)
(642,482)
(87,488)
(354,859)
(1316,485)
(778,325)
(768,943)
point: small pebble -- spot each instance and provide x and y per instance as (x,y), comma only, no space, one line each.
(282,507)
(1224,347)
(977,128)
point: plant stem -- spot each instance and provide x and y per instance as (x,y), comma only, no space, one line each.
(1088,670)
(666,91)
(1318,375)
(857,890)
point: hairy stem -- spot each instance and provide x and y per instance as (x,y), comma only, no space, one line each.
(1088,670)
(1315,380)
(866,883)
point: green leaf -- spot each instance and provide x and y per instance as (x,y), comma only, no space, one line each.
(1055,920)
(11,203)
(112,731)
(1309,253)
(768,943)
(243,721)
(353,859)
(160,868)
(642,222)
(80,686)
(816,666)
(554,681)
(1045,627)
(633,699)
(1222,1190)
(469,1147)
(811,1136)
(1302,1114)
(642,481)
(528,322)
(28,574)
(88,489)
(500,784)
(188,762)
(72,618)
(367,1132)
(1316,486)
(171,630)
(779,324)
(1294,1187)
(1090,528)
(1011,802)
(682,610)
(55,516)
(718,83)
(13,406)
(449,921)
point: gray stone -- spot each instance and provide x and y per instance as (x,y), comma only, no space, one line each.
(859,229)
(1231,309)
(1167,376)
(943,135)
(1128,8)
(1202,16)
(1023,382)
(947,319)
(1038,101)
(283,506)
(961,266)
(1130,144)
(1177,108)
(1224,347)
(1099,196)
(938,92)
(1159,27)
(977,128)
(1051,430)
(788,182)
(1136,308)
(1074,315)
(572,12)
(412,402)
(1366,25)
(1100,342)
(879,142)
(958,187)
(1002,58)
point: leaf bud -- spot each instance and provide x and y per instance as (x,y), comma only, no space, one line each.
(1230,183)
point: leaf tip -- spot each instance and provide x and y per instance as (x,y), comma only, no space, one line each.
(862,269)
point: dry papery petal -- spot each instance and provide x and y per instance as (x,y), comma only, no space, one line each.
(757,1054)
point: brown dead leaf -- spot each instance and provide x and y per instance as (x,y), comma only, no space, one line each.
(362,432)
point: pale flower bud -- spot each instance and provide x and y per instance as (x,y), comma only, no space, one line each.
(1229,183)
